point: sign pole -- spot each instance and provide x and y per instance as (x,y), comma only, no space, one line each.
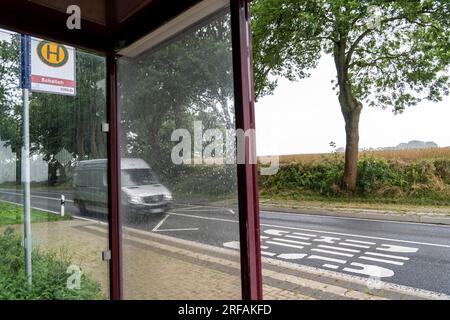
(26,85)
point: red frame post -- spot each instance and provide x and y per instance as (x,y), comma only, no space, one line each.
(249,228)
(115,236)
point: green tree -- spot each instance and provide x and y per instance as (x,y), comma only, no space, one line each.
(11,100)
(186,80)
(388,53)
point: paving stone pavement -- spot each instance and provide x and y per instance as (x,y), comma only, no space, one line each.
(161,267)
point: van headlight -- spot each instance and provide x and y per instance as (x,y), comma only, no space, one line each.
(135,199)
(168,196)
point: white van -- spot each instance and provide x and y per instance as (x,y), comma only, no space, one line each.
(142,193)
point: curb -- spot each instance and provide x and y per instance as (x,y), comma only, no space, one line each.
(366,214)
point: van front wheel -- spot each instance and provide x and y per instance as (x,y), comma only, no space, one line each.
(82,208)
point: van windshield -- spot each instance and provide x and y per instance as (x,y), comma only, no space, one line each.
(138,177)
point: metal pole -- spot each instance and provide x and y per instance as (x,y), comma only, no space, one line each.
(25,79)
(26,185)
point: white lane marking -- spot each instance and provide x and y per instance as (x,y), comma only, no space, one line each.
(393,248)
(160,223)
(200,208)
(327,239)
(316,257)
(285,245)
(386,255)
(338,248)
(232,245)
(264,247)
(319,231)
(235,245)
(370,270)
(200,217)
(274,232)
(157,227)
(304,234)
(34,196)
(331,266)
(298,237)
(359,236)
(173,230)
(333,252)
(381,260)
(292,241)
(354,245)
(264,237)
(291,256)
(361,242)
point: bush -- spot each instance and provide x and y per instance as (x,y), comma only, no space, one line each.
(376,177)
(49,274)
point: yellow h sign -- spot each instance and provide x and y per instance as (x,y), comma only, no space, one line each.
(52,54)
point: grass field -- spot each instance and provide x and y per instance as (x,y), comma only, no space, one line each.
(410,155)
(13,214)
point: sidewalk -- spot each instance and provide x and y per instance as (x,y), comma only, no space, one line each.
(162,267)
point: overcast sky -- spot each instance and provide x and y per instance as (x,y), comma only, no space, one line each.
(304,117)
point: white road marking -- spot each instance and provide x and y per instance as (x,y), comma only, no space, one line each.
(157,227)
(200,217)
(264,237)
(361,242)
(333,252)
(359,236)
(326,259)
(319,231)
(232,245)
(381,260)
(160,223)
(370,270)
(354,245)
(386,255)
(326,239)
(338,248)
(291,256)
(266,253)
(172,230)
(298,237)
(285,245)
(400,249)
(304,234)
(277,233)
(331,266)
(292,241)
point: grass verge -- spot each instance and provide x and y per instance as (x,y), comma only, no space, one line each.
(13,214)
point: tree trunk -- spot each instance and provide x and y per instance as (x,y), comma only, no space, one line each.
(351,110)
(351,149)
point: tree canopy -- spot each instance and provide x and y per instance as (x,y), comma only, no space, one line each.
(388,53)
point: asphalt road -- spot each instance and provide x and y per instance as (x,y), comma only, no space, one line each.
(414,255)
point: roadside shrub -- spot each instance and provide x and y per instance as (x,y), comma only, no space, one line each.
(376,177)
(49,274)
